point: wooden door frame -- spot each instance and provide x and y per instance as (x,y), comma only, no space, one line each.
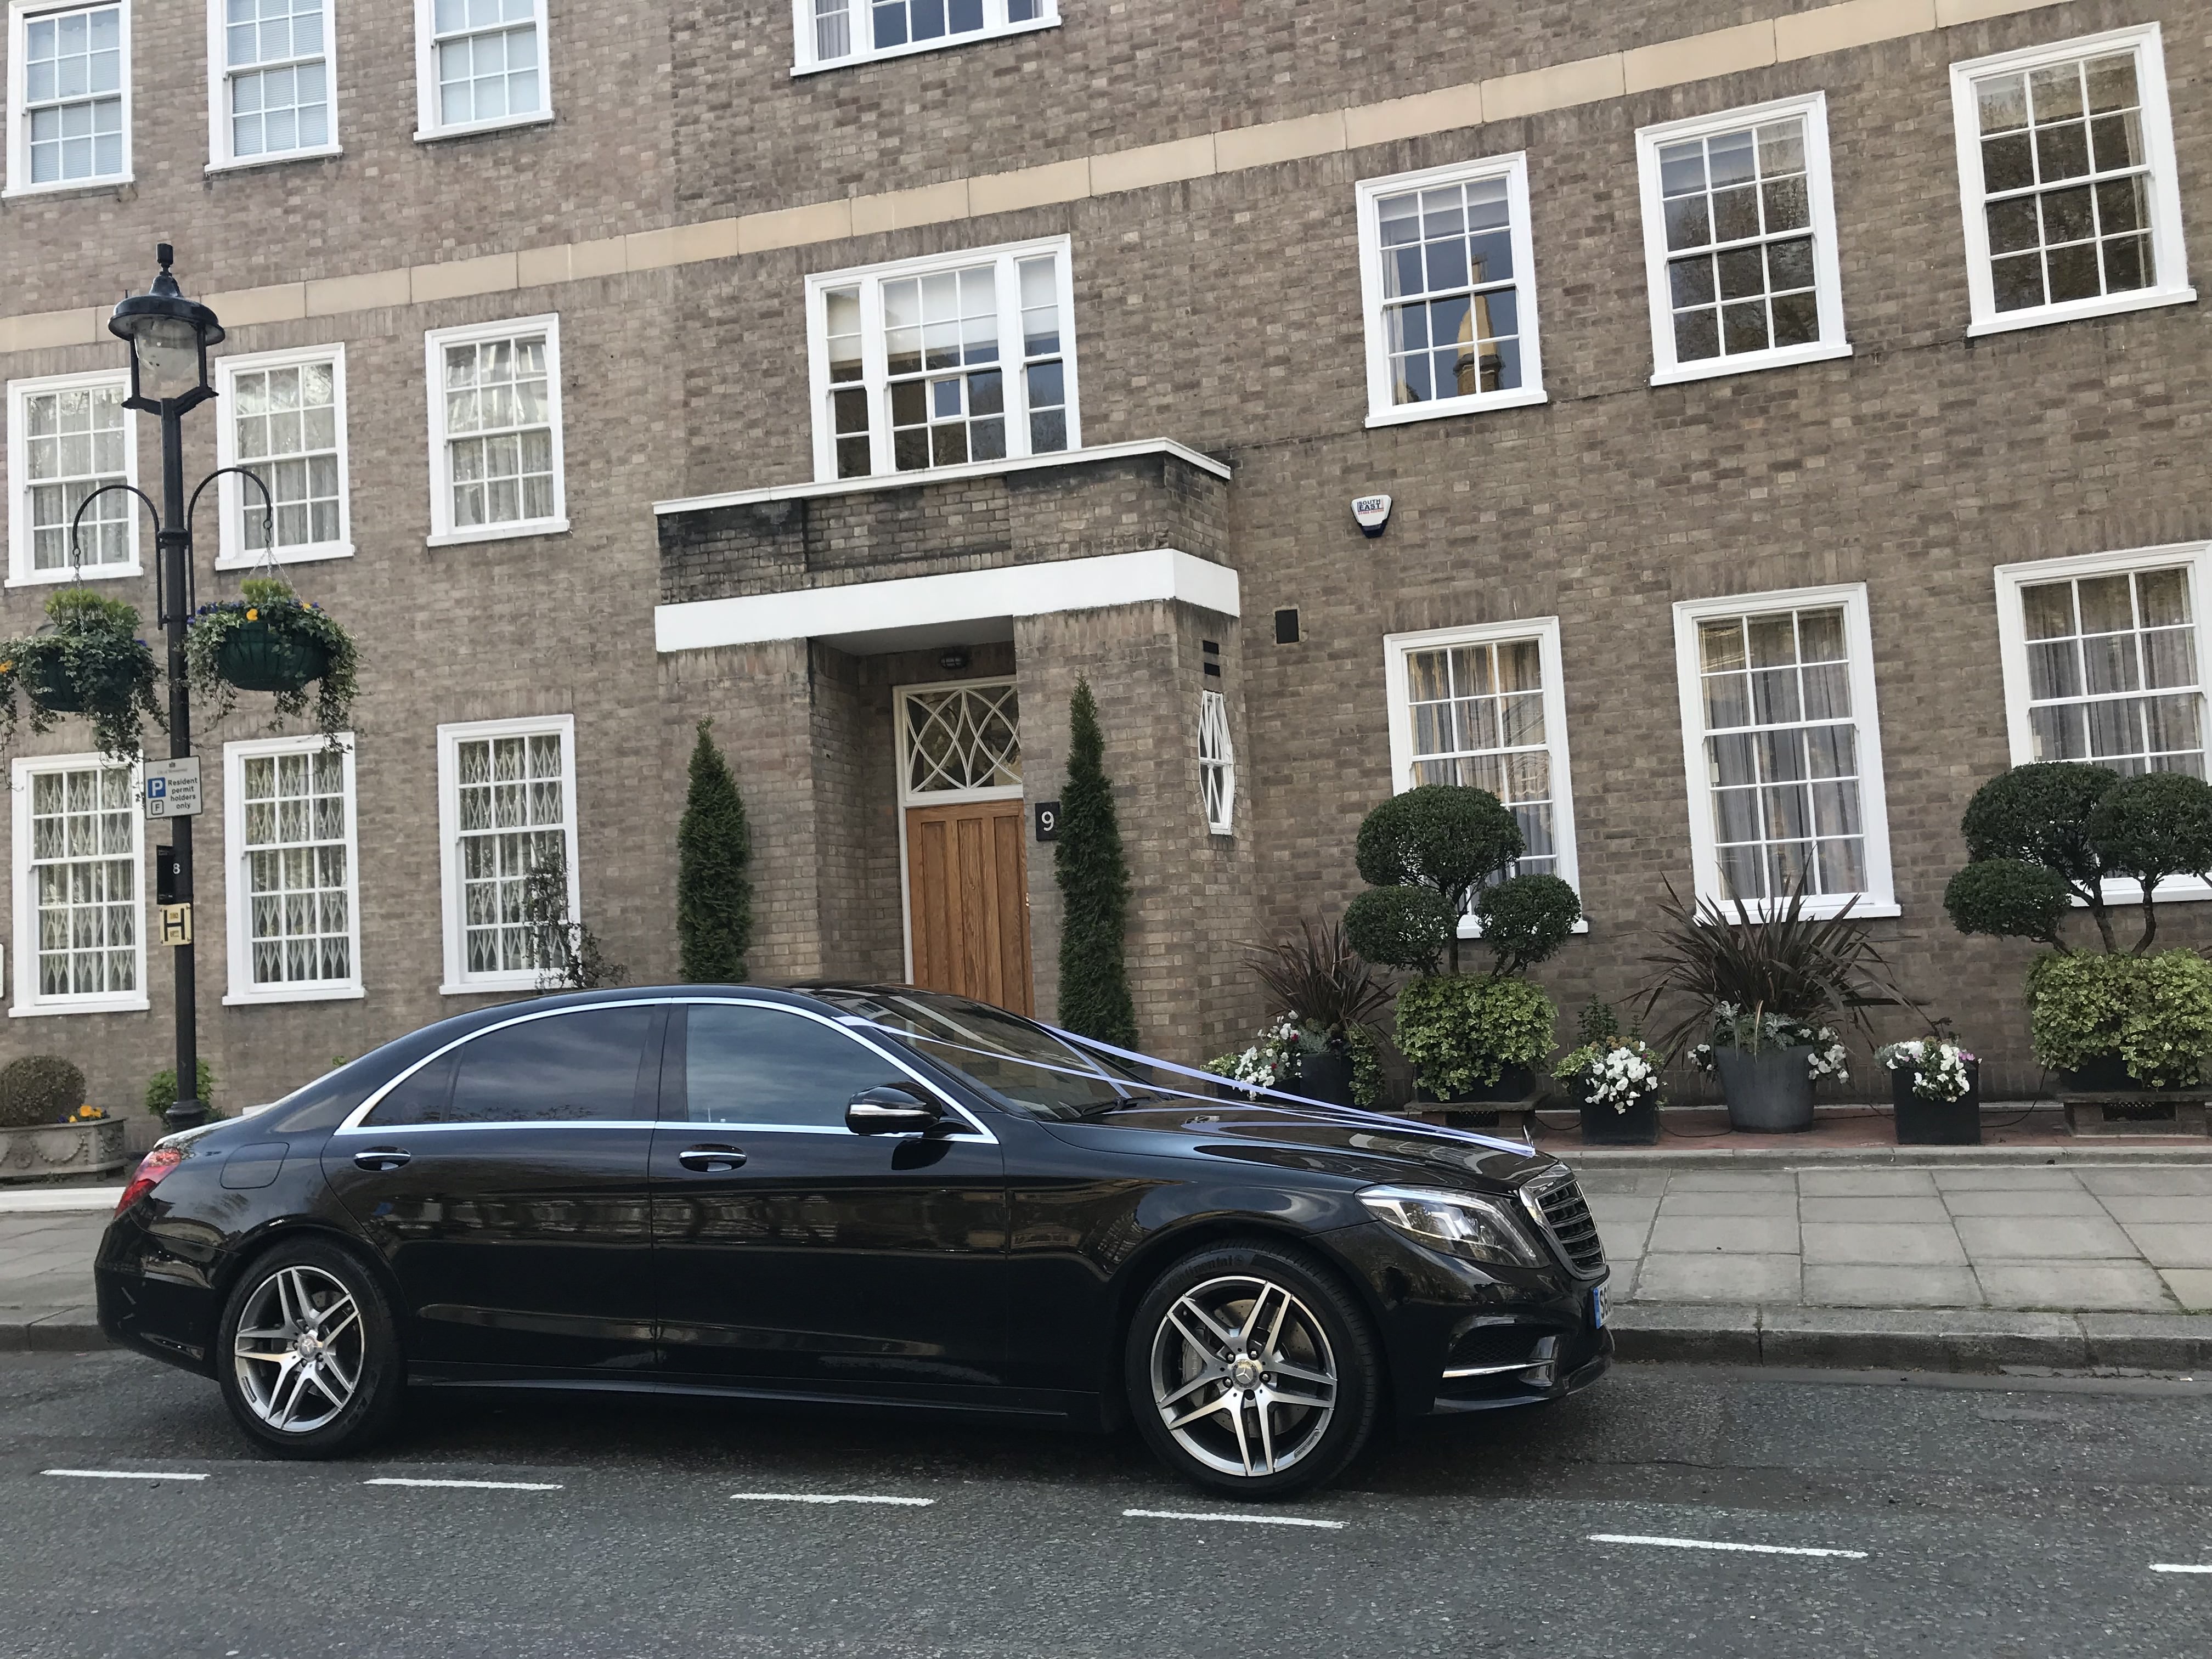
(934,798)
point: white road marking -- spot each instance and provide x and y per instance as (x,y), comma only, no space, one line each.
(2177,1566)
(483,1485)
(1714,1544)
(1255,1520)
(827,1497)
(122,1474)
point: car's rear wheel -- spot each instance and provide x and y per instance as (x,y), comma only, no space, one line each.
(1250,1369)
(310,1363)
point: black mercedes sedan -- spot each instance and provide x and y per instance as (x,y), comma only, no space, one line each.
(850,1194)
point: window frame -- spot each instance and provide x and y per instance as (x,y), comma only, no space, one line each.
(20,14)
(429,128)
(452,911)
(1545,630)
(434,342)
(1214,714)
(20,549)
(2012,651)
(221,134)
(2168,246)
(1827,275)
(875,372)
(1513,168)
(1879,897)
(237,893)
(232,552)
(29,1002)
(805,61)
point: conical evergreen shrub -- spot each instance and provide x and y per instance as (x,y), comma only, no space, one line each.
(1094,888)
(714,856)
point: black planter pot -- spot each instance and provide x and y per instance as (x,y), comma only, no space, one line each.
(1637,1127)
(1924,1122)
(1515,1084)
(1323,1076)
(1768,1092)
(256,656)
(51,688)
(2107,1074)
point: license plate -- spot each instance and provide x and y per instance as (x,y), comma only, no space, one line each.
(1597,1306)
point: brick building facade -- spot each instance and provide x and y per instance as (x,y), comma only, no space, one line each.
(1929,394)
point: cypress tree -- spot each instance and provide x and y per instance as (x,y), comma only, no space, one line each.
(713,893)
(1094,888)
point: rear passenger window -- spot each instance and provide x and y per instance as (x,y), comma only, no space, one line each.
(769,1066)
(587,1066)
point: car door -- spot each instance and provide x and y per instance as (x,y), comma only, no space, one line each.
(791,1253)
(504,1179)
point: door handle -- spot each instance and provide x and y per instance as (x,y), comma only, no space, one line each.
(707,1159)
(379,1158)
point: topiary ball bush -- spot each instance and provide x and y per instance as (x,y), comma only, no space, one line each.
(38,1089)
(1526,919)
(1445,836)
(2008,898)
(2154,825)
(2040,814)
(1408,927)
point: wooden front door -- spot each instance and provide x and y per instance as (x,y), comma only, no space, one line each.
(967,889)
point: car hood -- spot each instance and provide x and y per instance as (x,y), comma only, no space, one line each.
(1363,1147)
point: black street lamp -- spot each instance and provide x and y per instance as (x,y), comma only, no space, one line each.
(169,337)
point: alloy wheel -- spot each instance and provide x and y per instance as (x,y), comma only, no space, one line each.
(299,1349)
(1243,1376)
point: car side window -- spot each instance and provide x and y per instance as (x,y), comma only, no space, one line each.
(570,1067)
(748,1064)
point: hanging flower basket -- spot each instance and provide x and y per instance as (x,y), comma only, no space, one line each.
(271,641)
(87,660)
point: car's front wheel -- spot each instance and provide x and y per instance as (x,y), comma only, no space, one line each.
(310,1364)
(1252,1370)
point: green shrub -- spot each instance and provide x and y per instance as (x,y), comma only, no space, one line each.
(2154,1012)
(1093,876)
(1409,927)
(162,1090)
(2040,814)
(91,654)
(714,890)
(2152,826)
(38,1089)
(1461,1032)
(2006,897)
(1446,838)
(1526,919)
(1596,1024)
(270,603)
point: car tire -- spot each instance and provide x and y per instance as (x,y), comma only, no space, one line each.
(308,1354)
(1252,1370)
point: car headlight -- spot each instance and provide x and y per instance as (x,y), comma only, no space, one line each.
(1459,1224)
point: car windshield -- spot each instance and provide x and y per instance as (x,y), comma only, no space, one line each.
(1024,1066)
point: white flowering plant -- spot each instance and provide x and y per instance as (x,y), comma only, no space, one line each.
(1619,1071)
(1753,1031)
(1942,1071)
(1273,1058)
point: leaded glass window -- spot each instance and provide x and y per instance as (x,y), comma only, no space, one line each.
(499,415)
(2113,671)
(299,871)
(963,738)
(1217,763)
(512,808)
(84,881)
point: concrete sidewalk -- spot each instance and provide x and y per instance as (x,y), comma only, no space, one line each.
(1956,1266)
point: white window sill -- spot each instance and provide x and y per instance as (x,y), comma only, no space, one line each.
(1824,908)
(2121,895)
(66,187)
(492,984)
(912,48)
(98,573)
(117,1005)
(1471,930)
(2110,304)
(499,532)
(920,477)
(287,555)
(1443,408)
(252,163)
(505,124)
(294,993)
(1713,368)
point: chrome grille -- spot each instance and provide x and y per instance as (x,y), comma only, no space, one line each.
(1556,1198)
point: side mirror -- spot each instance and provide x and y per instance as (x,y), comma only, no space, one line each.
(891,1111)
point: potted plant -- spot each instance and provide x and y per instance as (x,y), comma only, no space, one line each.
(161,1089)
(88,661)
(1935,1085)
(1318,984)
(1614,1079)
(1431,856)
(272,640)
(1762,992)
(47,1130)
(2045,840)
